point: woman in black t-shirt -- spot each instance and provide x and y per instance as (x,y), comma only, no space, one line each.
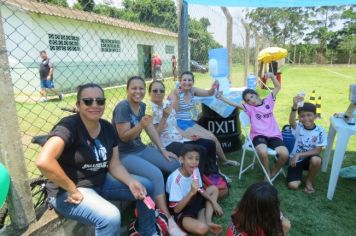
(81,161)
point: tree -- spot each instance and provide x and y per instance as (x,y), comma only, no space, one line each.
(87,5)
(62,3)
(202,40)
(278,25)
(158,13)
(349,46)
(324,18)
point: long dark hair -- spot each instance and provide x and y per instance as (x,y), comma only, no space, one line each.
(259,208)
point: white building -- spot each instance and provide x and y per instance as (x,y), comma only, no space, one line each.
(83,46)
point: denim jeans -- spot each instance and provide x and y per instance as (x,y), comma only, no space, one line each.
(95,209)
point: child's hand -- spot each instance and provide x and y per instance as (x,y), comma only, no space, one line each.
(297,99)
(296,157)
(195,186)
(285,225)
(217,209)
(219,95)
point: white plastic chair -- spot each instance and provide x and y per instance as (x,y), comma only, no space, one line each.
(245,125)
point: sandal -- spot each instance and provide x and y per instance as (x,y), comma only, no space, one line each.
(309,189)
(230,163)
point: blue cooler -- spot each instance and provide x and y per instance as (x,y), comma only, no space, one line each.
(288,137)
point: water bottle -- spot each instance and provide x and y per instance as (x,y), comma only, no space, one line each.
(251,82)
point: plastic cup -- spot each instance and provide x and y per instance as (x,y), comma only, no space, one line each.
(301,102)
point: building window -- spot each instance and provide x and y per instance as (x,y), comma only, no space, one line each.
(59,42)
(169,49)
(110,45)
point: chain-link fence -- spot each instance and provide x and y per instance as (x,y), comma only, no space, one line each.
(87,47)
(83,47)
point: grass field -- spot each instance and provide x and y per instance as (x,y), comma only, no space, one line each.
(309,214)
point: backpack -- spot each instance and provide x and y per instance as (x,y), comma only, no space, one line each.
(219,181)
(161,224)
(288,137)
(212,176)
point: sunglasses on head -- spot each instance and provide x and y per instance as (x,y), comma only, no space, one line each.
(89,101)
(158,90)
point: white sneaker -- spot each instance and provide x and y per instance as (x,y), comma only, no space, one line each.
(60,96)
(174,229)
(43,99)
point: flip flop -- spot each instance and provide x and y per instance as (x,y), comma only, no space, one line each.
(230,163)
(309,190)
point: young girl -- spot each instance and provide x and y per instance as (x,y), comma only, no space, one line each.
(258,213)
(264,128)
(183,101)
(193,207)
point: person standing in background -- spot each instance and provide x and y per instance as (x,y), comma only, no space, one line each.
(156,67)
(46,76)
(174,66)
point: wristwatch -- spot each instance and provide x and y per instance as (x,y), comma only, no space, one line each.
(294,109)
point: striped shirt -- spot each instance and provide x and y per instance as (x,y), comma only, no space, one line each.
(184,109)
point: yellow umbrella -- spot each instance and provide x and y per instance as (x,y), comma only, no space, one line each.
(272,54)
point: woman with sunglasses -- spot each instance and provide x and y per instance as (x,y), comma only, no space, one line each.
(183,101)
(173,138)
(129,119)
(81,161)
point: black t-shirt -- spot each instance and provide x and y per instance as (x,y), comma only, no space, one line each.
(45,67)
(84,159)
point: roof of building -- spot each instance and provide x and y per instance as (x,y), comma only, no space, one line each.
(52,10)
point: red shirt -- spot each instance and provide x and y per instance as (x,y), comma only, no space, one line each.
(157,61)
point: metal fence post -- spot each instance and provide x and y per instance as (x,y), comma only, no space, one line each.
(228,38)
(19,199)
(183,37)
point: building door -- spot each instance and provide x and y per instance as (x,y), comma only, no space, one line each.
(144,61)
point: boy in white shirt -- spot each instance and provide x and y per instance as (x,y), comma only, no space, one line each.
(192,206)
(310,139)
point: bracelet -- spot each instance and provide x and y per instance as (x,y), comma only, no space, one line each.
(294,109)
(162,148)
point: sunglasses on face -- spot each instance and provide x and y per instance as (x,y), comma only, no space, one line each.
(89,101)
(158,90)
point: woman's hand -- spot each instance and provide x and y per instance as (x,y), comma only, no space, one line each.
(74,197)
(194,137)
(145,121)
(137,189)
(168,155)
(167,111)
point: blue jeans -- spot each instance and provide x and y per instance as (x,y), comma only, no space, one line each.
(96,210)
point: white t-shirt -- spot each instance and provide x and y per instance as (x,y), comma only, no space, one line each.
(306,140)
(178,186)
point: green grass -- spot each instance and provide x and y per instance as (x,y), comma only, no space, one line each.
(309,214)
